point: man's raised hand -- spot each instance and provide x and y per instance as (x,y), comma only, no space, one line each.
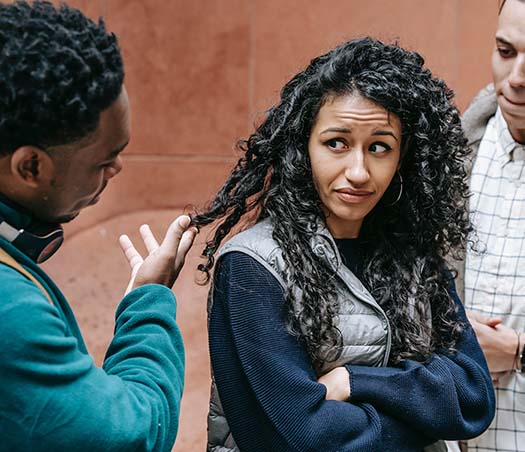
(164,261)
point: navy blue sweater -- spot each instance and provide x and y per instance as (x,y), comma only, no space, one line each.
(273,402)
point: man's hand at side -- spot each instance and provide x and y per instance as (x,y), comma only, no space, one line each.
(164,261)
(497,341)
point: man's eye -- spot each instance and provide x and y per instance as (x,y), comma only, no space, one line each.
(505,53)
(336,143)
(378,148)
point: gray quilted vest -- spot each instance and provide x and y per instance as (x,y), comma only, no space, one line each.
(363,324)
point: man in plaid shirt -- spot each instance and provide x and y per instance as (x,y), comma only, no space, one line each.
(494,272)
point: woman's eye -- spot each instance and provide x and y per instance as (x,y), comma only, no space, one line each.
(336,143)
(378,148)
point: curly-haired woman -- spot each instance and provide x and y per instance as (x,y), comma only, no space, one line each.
(334,324)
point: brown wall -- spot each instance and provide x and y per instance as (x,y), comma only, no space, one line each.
(199,73)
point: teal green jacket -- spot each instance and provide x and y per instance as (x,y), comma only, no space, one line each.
(54,398)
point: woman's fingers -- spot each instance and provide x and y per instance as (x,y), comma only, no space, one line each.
(149,239)
(132,255)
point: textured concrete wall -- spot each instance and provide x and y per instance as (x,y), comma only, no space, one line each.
(199,74)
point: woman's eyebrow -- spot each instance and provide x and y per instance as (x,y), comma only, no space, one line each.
(385,132)
(345,130)
(337,130)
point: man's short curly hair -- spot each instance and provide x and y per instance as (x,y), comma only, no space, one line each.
(58,71)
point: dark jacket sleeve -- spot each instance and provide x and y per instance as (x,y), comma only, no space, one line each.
(53,397)
(459,400)
(267,386)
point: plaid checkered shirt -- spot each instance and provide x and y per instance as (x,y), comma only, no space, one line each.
(495,268)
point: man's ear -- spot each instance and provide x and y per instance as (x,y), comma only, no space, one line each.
(32,166)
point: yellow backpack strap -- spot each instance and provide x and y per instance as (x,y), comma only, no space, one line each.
(8,260)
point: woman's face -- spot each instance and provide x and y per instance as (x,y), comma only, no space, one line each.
(354,150)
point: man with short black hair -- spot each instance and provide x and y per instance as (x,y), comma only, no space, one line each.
(64,122)
(494,279)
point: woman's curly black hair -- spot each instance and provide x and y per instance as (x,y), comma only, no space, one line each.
(58,71)
(407,241)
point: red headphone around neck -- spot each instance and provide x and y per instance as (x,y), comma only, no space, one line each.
(39,247)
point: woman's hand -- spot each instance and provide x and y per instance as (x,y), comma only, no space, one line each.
(337,383)
(164,261)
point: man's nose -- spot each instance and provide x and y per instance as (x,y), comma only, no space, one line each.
(517,74)
(114,169)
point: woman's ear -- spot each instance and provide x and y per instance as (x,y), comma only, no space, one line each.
(32,166)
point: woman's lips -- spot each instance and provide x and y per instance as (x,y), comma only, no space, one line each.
(353,196)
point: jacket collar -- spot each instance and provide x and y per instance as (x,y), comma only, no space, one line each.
(478,113)
(323,244)
(14,214)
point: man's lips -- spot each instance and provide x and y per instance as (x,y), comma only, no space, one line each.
(518,104)
(96,198)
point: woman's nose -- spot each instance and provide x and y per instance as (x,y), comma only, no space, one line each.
(356,171)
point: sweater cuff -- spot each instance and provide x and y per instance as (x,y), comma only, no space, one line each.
(351,382)
(365,380)
(152,295)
